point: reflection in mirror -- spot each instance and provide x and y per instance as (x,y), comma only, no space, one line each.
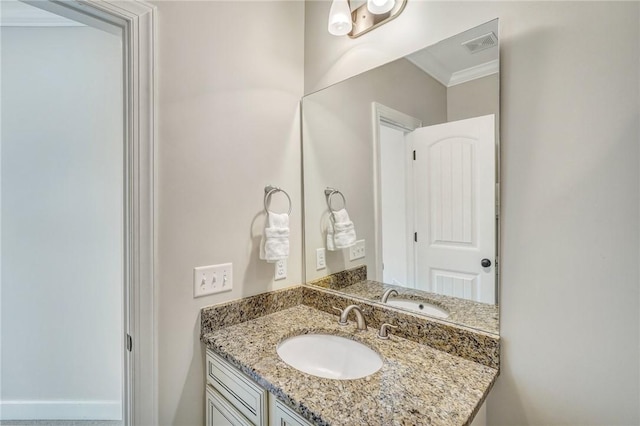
(413,147)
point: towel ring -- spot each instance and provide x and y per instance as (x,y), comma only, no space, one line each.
(270,190)
(330,192)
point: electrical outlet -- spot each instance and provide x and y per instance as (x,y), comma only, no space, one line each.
(281,270)
(357,251)
(212,279)
(321,259)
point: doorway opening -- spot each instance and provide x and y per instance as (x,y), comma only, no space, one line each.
(76,214)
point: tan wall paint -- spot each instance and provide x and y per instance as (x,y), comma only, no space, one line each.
(228,125)
(474,98)
(338,150)
(571,194)
(571,159)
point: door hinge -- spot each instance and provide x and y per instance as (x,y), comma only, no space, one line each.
(129,343)
(415,237)
(414,155)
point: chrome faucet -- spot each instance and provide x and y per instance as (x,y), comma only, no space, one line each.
(388,293)
(362,324)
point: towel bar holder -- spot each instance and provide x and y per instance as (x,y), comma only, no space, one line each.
(330,192)
(269,190)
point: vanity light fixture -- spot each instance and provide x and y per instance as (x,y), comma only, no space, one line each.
(372,14)
(378,7)
(340,18)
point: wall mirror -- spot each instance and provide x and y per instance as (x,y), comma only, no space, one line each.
(400,168)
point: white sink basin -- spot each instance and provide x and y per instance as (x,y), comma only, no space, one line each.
(328,356)
(418,306)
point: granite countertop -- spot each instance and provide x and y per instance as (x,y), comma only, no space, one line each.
(417,385)
(468,313)
(477,315)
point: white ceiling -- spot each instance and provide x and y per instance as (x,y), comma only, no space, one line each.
(450,62)
(14,13)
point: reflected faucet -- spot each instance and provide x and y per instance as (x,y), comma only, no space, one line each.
(388,293)
(362,324)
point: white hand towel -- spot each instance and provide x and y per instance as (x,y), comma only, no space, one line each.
(340,233)
(275,239)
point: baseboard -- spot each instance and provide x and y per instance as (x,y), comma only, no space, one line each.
(60,410)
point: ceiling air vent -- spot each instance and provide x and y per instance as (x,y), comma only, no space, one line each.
(481,43)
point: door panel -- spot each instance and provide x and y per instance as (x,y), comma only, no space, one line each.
(454,184)
(451,192)
(456,284)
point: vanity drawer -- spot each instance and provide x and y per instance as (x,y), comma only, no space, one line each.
(281,415)
(221,413)
(247,397)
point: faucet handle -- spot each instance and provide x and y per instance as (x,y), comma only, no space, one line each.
(342,321)
(383,333)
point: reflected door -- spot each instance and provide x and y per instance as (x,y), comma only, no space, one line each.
(454,184)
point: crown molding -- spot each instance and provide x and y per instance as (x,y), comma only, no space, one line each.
(479,71)
(438,71)
(433,67)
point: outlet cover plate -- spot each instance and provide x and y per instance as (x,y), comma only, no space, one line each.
(212,279)
(321,259)
(357,251)
(281,270)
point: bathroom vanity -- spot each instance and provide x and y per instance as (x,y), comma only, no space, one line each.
(248,382)
(424,199)
(232,398)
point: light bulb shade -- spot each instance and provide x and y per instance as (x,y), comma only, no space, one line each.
(378,7)
(339,18)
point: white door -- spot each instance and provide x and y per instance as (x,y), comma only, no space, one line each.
(454,181)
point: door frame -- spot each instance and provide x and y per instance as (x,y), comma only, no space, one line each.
(137,19)
(382,114)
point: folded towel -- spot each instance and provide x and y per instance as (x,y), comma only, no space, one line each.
(340,233)
(275,239)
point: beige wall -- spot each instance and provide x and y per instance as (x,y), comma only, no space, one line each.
(474,98)
(230,80)
(570,193)
(338,151)
(228,113)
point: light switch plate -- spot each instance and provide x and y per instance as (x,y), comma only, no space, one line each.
(281,270)
(357,251)
(321,259)
(212,279)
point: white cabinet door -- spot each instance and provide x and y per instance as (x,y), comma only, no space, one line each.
(455,184)
(220,412)
(242,392)
(281,415)
(233,399)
